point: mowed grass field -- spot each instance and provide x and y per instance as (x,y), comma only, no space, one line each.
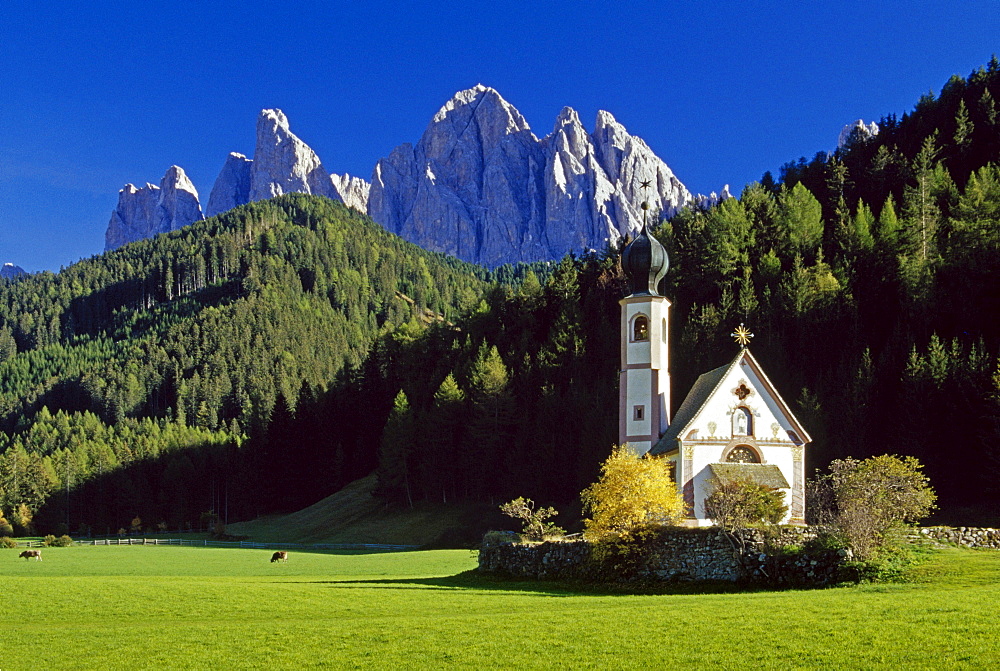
(207,608)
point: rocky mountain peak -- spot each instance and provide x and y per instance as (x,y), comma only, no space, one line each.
(270,121)
(477,110)
(282,163)
(479,185)
(858,130)
(10,271)
(567,116)
(232,186)
(151,210)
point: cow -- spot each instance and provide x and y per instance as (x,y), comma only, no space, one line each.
(28,554)
(280,555)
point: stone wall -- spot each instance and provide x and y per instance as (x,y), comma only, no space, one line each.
(694,555)
(970,537)
(673,555)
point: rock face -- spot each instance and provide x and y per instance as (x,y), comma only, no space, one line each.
(856,131)
(352,190)
(481,186)
(150,210)
(478,185)
(282,163)
(232,187)
(10,271)
(713,198)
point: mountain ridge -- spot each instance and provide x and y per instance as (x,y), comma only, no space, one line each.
(478,184)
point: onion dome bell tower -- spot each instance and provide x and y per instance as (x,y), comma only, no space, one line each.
(644,380)
(645,262)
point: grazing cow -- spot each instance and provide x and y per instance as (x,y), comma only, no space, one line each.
(28,554)
(281,555)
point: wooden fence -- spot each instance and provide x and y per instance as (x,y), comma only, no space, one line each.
(232,544)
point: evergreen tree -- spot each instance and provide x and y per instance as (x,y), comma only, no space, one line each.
(395,449)
(800,219)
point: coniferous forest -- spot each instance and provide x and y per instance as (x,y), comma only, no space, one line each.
(259,360)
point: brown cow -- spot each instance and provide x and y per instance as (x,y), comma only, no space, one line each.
(280,555)
(28,554)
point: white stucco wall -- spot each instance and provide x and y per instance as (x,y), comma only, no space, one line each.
(645,378)
(770,438)
(653,351)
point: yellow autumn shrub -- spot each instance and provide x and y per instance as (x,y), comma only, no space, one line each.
(632,492)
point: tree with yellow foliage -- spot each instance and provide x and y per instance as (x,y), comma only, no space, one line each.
(633,492)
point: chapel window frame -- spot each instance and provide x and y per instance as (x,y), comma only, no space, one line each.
(742,448)
(639,330)
(748,414)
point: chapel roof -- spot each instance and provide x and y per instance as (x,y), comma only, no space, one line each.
(768,475)
(693,402)
(703,389)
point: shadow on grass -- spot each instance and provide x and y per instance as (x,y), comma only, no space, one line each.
(472,580)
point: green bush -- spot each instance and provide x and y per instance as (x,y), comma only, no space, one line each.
(535,527)
(6,528)
(7,542)
(491,538)
(868,503)
(891,563)
(825,540)
(63,541)
(49,541)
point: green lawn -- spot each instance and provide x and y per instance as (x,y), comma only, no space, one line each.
(208,608)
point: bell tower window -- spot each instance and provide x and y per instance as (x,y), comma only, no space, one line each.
(640,328)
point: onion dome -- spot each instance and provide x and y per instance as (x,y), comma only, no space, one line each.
(645,263)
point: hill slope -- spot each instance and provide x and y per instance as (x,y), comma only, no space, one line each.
(354,515)
(219,328)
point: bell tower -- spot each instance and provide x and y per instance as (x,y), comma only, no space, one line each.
(644,380)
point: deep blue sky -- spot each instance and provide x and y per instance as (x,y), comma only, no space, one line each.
(117,92)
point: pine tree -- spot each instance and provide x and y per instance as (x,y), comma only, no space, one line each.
(395,449)
(800,220)
(963,128)
(490,421)
(861,229)
(988,109)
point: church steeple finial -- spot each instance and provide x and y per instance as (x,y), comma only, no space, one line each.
(742,336)
(645,203)
(644,259)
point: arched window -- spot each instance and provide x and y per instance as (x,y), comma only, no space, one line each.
(742,422)
(640,328)
(743,454)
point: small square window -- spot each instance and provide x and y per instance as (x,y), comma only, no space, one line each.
(638,412)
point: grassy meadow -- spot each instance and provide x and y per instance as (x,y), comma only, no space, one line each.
(187,607)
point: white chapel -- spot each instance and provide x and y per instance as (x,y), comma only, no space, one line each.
(732,424)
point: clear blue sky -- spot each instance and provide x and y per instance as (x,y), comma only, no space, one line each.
(117,92)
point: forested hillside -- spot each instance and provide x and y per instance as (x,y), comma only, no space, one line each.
(122,375)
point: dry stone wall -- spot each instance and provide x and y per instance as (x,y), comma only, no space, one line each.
(970,537)
(695,555)
(674,555)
